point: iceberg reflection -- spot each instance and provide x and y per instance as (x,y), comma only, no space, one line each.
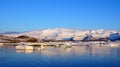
(75,50)
(24,51)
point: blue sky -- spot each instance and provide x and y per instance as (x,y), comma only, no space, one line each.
(26,15)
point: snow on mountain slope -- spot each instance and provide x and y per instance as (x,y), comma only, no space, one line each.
(60,33)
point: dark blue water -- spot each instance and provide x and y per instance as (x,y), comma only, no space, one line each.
(60,57)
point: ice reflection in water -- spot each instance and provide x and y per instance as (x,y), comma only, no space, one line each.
(77,56)
(25,51)
(76,50)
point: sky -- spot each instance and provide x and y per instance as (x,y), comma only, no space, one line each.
(26,15)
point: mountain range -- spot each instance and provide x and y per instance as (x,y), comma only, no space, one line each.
(62,33)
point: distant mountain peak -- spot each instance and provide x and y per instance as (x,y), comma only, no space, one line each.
(11,33)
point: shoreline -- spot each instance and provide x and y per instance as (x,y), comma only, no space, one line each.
(102,43)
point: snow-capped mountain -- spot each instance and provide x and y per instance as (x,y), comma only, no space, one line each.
(60,33)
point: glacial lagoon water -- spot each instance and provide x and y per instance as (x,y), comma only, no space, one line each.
(77,56)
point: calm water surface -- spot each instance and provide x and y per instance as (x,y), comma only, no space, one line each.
(77,56)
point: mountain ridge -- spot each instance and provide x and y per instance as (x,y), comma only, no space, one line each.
(60,33)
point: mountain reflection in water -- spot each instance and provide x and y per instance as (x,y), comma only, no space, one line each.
(76,50)
(76,56)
